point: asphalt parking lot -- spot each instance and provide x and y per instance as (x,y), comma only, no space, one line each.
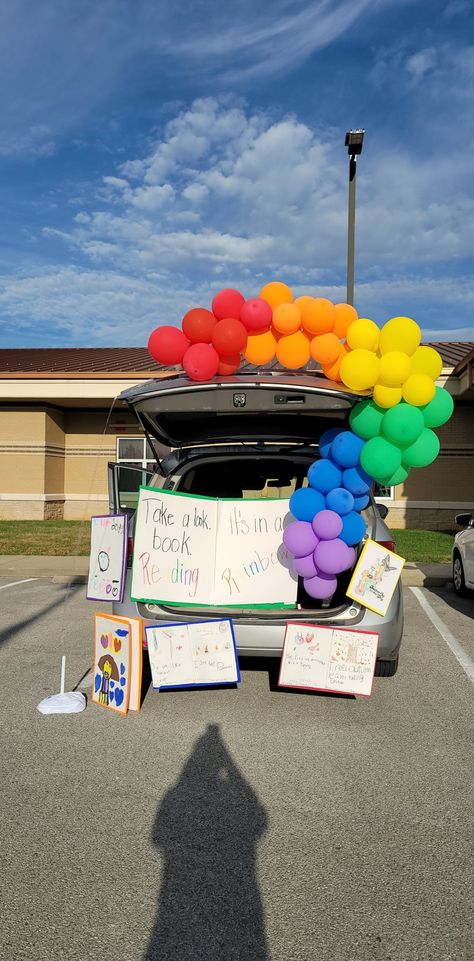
(237,824)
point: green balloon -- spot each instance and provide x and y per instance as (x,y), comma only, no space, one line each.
(366,419)
(398,477)
(379,458)
(402,424)
(439,410)
(423,452)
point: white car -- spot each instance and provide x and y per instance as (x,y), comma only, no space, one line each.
(463,555)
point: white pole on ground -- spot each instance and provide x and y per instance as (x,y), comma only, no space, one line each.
(63,673)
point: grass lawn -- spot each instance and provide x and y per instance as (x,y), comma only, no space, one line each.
(67,538)
(424,546)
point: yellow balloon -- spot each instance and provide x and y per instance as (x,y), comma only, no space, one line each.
(276,293)
(395,367)
(400,333)
(359,369)
(261,348)
(387,396)
(293,351)
(363,334)
(418,390)
(426,360)
(286,318)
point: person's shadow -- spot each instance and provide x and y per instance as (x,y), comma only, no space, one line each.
(207,829)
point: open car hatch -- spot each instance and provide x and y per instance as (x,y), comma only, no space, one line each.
(251,408)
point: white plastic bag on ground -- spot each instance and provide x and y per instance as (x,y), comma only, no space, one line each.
(71,702)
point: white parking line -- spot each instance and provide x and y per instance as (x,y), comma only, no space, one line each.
(460,654)
(14,583)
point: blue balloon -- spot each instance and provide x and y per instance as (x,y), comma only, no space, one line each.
(305,503)
(361,502)
(326,440)
(340,501)
(357,481)
(353,529)
(346,448)
(323,475)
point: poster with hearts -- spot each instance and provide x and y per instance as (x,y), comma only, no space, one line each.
(112,661)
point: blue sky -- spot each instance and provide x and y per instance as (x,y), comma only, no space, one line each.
(154,152)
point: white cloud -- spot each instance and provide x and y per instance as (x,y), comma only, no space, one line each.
(421,63)
(59,63)
(267,200)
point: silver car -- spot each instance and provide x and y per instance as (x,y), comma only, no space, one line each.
(463,556)
(250,435)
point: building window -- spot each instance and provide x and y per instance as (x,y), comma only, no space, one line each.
(136,452)
(384,493)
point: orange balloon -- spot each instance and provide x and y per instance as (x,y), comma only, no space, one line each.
(293,351)
(319,316)
(331,371)
(276,293)
(286,318)
(325,349)
(301,302)
(260,348)
(345,316)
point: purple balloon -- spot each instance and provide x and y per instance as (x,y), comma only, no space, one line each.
(299,538)
(327,525)
(333,557)
(320,586)
(305,566)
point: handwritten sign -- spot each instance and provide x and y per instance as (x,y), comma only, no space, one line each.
(107,559)
(192,655)
(204,551)
(328,659)
(375,577)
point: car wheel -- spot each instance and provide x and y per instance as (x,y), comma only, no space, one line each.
(459,583)
(386,668)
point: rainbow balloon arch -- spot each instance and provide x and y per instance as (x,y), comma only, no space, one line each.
(391,430)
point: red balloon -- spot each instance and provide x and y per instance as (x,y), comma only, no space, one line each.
(229,365)
(198,325)
(256,315)
(229,337)
(228,303)
(201,362)
(168,345)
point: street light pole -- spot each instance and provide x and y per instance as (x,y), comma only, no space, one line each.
(353,142)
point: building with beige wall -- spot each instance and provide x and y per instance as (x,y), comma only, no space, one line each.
(60,425)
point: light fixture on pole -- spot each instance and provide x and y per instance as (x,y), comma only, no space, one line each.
(354,141)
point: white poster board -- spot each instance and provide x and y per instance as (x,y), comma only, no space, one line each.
(328,659)
(107,559)
(204,551)
(192,655)
(375,577)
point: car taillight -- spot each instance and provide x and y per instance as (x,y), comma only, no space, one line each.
(390,545)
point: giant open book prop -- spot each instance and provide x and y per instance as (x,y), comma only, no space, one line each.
(205,551)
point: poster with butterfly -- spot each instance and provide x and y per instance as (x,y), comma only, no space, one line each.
(375,577)
(117,665)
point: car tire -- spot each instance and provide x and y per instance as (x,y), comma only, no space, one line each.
(459,582)
(386,668)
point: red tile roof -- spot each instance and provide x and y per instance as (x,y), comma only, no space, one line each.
(116,361)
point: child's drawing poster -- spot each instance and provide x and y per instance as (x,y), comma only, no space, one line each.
(328,659)
(201,653)
(107,560)
(111,666)
(375,577)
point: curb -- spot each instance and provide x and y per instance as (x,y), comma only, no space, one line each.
(74,570)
